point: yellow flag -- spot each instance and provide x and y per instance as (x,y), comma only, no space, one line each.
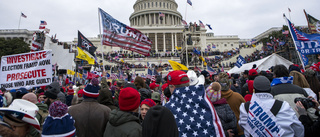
(177,66)
(254,45)
(70,72)
(178,48)
(84,56)
(122,60)
(205,63)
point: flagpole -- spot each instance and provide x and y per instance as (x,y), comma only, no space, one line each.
(295,45)
(185,13)
(19,21)
(101,39)
(289,13)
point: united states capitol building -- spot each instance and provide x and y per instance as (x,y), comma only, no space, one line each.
(166,31)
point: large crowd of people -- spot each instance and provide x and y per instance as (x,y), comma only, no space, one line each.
(184,103)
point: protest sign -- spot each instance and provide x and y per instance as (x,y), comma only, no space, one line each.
(28,69)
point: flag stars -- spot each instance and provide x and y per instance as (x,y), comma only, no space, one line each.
(191,119)
(197,86)
(184,114)
(197,105)
(200,98)
(208,123)
(188,127)
(183,95)
(193,93)
(181,101)
(205,131)
(203,110)
(181,121)
(177,91)
(184,134)
(198,125)
(190,100)
(195,133)
(178,109)
(194,112)
(201,117)
(188,106)
(172,105)
(175,116)
(177,99)
(187,88)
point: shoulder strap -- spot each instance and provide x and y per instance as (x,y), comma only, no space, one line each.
(246,106)
(276,107)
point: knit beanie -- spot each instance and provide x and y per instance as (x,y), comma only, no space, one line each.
(52,90)
(59,122)
(91,91)
(148,102)
(129,99)
(214,91)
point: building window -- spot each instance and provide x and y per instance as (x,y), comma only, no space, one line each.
(159,4)
(225,45)
(152,4)
(231,45)
(156,4)
(167,5)
(148,5)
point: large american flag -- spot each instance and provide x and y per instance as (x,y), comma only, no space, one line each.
(151,75)
(299,36)
(194,113)
(120,35)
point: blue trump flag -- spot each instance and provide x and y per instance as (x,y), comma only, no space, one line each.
(305,43)
(194,113)
(240,61)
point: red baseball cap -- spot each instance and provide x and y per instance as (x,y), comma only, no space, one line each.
(164,86)
(153,85)
(174,77)
(253,72)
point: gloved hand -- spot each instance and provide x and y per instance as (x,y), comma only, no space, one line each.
(300,108)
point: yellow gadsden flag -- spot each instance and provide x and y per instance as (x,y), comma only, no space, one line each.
(70,72)
(177,66)
(84,56)
(178,48)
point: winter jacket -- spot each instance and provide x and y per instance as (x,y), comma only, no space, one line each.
(234,99)
(311,128)
(105,96)
(123,124)
(42,113)
(90,118)
(226,115)
(286,117)
(288,92)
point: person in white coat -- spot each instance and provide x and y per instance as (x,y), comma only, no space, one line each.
(285,116)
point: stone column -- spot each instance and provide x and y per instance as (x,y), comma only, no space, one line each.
(156,41)
(145,19)
(172,45)
(164,42)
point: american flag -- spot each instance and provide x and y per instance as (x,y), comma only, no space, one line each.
(211,70)
(22,15)
(43,22)
(298,35)
(161,14)
(201,24)
(194,113)
(285,32)
(209,26)
(184,22)
(113,76)
(42,27)
(35,45)
(151,75)
(189,2)
(120,35)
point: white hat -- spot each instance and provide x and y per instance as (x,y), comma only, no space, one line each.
(192,77)
(201,80)
(23,110)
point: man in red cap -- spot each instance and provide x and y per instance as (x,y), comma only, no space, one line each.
(177,79)
(124,122)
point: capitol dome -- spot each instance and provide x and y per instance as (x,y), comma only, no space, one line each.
(147,13)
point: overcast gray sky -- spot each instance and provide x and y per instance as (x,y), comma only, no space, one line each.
(245,18)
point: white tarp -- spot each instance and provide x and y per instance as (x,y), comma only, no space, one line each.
(262,64)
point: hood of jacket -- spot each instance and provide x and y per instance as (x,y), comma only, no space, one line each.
(42,106)
(118,117)
(226,94)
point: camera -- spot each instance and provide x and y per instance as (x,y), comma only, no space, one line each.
(306,102)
